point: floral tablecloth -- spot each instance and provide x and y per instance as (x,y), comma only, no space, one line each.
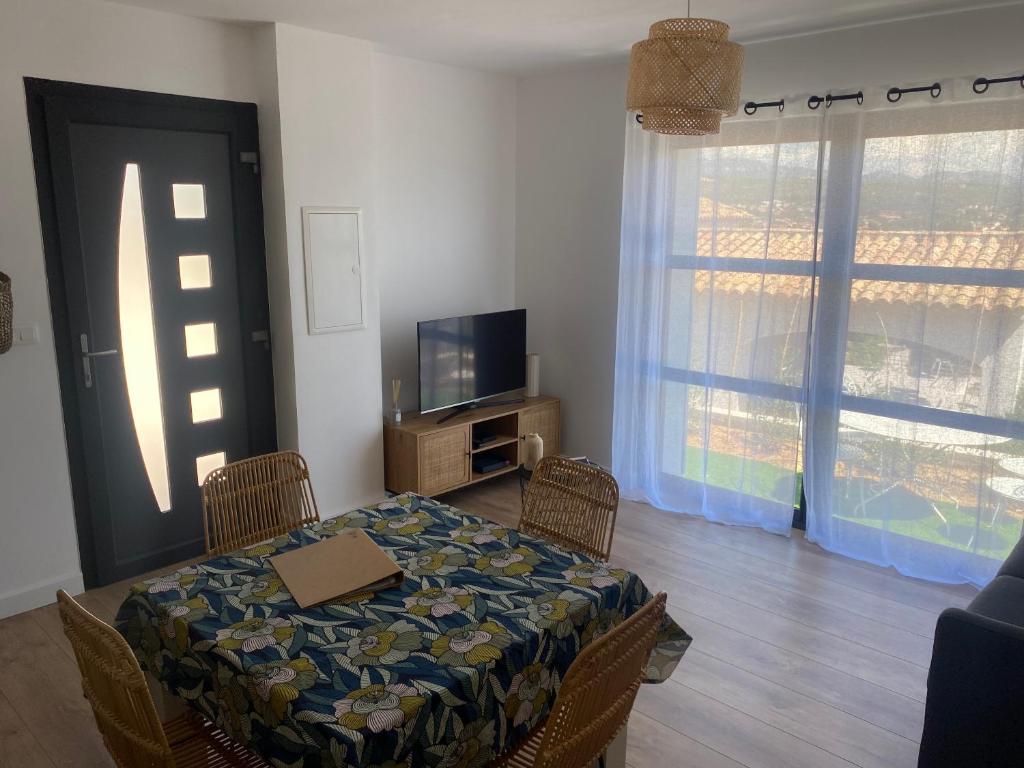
(452,667)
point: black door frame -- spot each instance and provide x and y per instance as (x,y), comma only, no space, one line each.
(140,109)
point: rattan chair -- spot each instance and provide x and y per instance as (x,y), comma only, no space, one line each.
(123,707)
(595,699)
(256,499)
(572,504)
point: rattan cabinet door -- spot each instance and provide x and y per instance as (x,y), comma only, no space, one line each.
(545,421)
(444,460)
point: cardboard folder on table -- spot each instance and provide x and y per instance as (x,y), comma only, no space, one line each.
(343,565)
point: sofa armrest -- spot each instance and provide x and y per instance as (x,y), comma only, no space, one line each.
(962,619)
(973,716)
(1014,564)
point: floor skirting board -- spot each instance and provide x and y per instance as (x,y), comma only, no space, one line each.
(41,593)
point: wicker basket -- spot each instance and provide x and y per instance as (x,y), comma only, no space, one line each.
(6,314)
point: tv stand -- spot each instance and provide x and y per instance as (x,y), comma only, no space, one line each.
(425,457)
(460,409)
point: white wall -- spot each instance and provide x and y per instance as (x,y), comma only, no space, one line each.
(570,126)
(446,202)
(325,136)
(96,43)
(979,42)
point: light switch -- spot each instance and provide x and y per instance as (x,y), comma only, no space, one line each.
(26,333)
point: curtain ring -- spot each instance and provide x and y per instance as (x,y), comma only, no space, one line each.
(814,102)
(639,118)
(981,85)
(936,90)
(750,107)
(893,95)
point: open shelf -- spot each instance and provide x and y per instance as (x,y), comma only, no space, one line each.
(503,449)
(484,475)
(504,429)
(502,440)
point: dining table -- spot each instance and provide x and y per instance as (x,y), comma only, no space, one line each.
(451,668)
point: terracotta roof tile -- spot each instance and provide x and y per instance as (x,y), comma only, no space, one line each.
(970,250)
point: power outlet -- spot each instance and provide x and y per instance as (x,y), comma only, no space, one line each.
(26,333)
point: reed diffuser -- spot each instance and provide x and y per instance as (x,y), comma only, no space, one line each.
(396,390)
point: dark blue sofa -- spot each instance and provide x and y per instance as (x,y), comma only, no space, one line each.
(974,716)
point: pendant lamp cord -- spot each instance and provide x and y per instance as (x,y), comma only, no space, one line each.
(687,8)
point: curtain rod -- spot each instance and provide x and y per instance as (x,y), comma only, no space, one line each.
(752,106)
(982,83)
(893,95)
(816,101)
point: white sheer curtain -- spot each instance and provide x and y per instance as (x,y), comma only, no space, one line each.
(717,256)
(915,441)
(902,227)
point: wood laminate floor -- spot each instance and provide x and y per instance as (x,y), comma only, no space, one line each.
(800,659)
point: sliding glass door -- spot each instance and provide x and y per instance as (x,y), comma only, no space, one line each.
(724,312)
(915,450)
(835,294)
(739,303)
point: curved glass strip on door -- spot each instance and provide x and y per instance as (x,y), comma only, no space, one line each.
(138,338)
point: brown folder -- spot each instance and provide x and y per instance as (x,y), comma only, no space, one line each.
(347,564)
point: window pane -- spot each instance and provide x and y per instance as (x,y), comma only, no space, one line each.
(948,200)
(733,441)
(953,347)
(206,464)
(194,271)
(206,405)
(747,325)
(751,201)
(200,339)
(944,200)
(189,201)
(941,486)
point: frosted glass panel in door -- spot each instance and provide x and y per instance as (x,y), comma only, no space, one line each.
(138,338)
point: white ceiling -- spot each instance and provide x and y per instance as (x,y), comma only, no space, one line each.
(522,35)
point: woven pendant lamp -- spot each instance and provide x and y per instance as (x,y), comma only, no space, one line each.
(685,77)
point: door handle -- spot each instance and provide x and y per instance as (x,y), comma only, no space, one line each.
(87,356)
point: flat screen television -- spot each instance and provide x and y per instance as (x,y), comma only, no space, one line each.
(465,359)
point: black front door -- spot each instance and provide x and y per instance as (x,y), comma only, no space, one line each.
(161,309)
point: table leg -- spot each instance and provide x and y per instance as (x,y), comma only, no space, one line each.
(615,755)
(168,706)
